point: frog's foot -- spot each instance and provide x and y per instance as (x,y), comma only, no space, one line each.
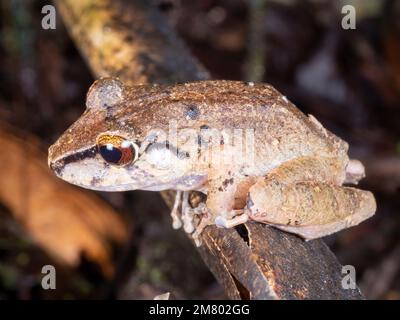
(231,219)
(188,213)
(205,221)
(202,221)
(186,216)
(176,220)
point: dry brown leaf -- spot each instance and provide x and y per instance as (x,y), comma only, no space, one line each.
(65,221)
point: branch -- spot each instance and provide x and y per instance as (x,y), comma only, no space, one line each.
(132,41)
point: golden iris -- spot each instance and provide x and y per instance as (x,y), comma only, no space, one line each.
(116,149)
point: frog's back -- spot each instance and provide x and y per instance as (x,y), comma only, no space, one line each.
(281,131)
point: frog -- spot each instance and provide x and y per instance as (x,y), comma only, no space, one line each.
(244,145)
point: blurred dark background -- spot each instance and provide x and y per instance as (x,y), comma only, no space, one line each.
(348,79)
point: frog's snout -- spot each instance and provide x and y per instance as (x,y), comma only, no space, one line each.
(56,167)
(58,164)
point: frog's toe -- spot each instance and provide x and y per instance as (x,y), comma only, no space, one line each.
(188,226)
(199,229)
(176,220)
(188,215)
(355,171)
(222,222)
(176,224)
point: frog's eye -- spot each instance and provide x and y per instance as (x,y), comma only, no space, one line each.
(117,150)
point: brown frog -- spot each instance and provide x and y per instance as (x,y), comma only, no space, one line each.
(253,153)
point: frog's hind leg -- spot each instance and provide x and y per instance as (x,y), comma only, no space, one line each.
(305,196)
(309,209)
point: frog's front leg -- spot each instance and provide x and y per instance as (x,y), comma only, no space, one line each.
(175,215)
(225,191)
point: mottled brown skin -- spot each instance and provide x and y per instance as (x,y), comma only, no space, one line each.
(292,158)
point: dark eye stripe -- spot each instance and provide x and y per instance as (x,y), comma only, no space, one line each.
(84,154)
(59,165)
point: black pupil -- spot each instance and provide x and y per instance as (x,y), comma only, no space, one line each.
(110,154)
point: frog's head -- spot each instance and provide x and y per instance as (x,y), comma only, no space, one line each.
(110,149)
